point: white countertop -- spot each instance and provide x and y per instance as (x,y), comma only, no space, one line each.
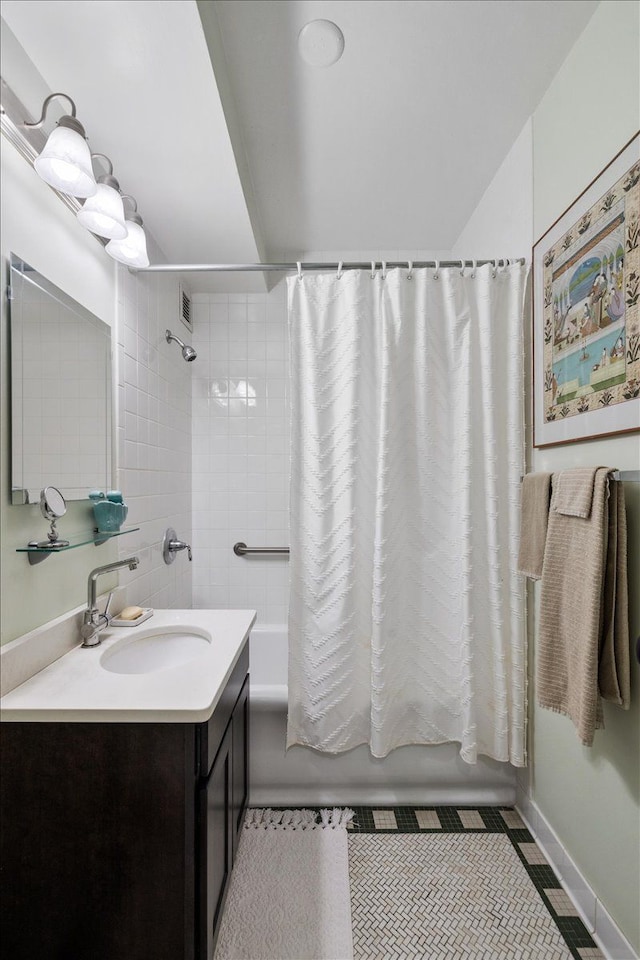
(78,688)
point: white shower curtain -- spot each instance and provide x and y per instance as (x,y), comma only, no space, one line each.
(406,619)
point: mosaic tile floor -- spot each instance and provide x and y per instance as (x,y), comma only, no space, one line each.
(473,896)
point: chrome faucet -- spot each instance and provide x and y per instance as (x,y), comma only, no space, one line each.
(93,621)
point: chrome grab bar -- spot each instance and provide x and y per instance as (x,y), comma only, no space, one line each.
(241,550)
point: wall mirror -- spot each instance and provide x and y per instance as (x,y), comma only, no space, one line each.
(61,391)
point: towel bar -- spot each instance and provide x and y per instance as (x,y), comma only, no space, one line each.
(627,476)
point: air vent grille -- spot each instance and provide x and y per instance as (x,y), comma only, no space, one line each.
(184,308)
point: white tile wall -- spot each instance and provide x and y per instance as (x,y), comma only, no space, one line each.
(240,450)
(154,438)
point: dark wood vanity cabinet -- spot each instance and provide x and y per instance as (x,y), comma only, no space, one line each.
(222,800)
(118,839)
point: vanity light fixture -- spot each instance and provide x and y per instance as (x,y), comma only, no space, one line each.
(103,213)
(65,162)
(132,249)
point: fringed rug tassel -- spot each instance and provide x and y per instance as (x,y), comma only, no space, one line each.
(297,819)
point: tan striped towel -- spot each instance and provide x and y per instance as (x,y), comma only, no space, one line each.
(583,645)
(574,491)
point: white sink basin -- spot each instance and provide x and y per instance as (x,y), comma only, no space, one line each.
(154,650)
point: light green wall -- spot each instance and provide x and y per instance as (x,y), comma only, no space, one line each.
(591,797)
(39,228)
(591,109)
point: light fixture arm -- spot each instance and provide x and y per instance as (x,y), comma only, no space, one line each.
(45,107)
(68,120)
(133,215)
(132,200)
(108,177)
(103,156)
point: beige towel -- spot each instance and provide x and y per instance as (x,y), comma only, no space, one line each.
(574,491)
(614,663)
(583,646)
(536,489)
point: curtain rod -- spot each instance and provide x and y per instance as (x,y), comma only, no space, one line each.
(286,267)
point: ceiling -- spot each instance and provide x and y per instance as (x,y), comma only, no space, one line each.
(238,151)
(393,146)
(141,76)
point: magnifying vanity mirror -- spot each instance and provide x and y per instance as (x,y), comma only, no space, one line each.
(52,507)
(61,392)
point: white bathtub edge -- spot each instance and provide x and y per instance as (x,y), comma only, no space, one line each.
(303,777)
(371,796)
(269,696)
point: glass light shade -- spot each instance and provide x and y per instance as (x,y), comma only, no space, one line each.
(131,251)
(65,163)
(103,213)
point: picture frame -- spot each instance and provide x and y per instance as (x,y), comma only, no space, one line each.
(586,311)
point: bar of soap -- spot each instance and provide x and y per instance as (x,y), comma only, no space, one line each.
(130,613)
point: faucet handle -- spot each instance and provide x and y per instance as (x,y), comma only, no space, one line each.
(189,552)
(106,613)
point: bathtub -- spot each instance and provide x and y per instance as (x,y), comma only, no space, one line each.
(409,775)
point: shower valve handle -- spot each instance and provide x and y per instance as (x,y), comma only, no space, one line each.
(171,545)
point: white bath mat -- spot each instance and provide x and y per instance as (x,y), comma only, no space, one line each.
(289,892)
(450,896)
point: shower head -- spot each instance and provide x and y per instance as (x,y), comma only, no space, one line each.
(188,352)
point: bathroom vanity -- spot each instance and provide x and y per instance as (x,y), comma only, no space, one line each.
(120,825)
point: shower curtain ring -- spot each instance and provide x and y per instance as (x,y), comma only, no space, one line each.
(494,272)
(410,273)
(339,273)
(299,266)
(373,269)
(436,272)
(473,269)
(462,266)
(384,269)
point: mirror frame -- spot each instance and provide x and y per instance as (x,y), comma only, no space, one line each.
(20,495)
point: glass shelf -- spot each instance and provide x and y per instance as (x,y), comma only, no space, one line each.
(38,554)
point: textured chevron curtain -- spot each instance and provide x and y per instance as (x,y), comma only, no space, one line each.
(406,613)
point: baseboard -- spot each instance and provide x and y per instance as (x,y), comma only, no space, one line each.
(610,939)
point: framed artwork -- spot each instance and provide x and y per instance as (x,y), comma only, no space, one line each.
(586,311)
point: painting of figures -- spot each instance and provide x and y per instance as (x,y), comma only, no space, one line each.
(587,313)
(588,343)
